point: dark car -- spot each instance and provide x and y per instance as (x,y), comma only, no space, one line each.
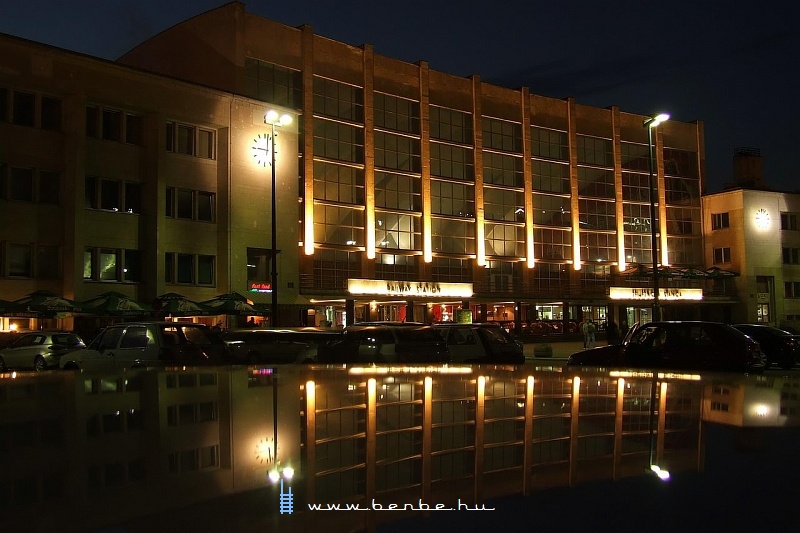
(288,345)
(779,346)
(481,343)
(679,345)
(386,344)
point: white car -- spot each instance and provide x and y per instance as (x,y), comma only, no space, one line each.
(144,344)
(39,350)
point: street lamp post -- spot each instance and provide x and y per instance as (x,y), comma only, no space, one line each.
(274,119)
(650,123)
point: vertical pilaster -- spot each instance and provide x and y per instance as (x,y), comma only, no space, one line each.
(616,142)
(477,132)
(425,157)
(369,151)
(308,138)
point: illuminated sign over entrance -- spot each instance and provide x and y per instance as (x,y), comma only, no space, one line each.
(646,293)
(381,287)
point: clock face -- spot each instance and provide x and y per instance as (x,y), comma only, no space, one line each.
(262,146)
(762,218)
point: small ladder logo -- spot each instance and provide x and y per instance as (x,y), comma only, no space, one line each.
(286,501)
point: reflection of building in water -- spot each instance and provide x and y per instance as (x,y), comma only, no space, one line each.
(753,401)
(105,449)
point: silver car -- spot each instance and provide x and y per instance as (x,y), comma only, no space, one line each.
(39,350)
(143,344)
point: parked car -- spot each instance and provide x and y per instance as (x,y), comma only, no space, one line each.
(386,344)
(276,346)
(780,347)
(142,344)
(481,343)
(39,350)
(680,345)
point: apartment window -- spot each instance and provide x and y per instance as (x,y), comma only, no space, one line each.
(189,269)
(21,184)
(258,264)
(133,129)
(722,255)
(205,269)
(789,221)
(185,273)
(791,256)
(205,206)
(3,104)
(132,266)
(791,289)
(113,125)
(24,109)
(133,197)
(51,113)
(49,187)
(19,260)
(191,205)
(190,140)
(111,264)
(169,210)
(47,264)
(109,195)
(112,122)
(169,267)
(89,264)
(108,265)
(722,220)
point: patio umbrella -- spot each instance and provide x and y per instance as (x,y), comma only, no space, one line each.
(175,304)
(716,272)
(114,304)
(693,273)
(43,304)
(231,303)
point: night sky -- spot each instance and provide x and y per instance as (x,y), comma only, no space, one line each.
(733,65)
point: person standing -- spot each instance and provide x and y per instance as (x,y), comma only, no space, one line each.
(591,329)
(585,332)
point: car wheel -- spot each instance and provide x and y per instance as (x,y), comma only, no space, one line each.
(3,366)
(39,364)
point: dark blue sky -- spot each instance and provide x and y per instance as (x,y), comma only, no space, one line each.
(733,65)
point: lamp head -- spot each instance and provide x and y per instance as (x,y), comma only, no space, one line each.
(274,117)
(655,120)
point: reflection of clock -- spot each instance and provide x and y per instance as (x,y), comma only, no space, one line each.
(762,218)
(261,150)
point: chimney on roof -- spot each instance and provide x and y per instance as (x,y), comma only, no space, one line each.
(748,168)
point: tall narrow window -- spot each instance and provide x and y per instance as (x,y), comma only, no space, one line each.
(19,260)
(109,195)
(108,265)
(89,263)
(51,113)
(185,268)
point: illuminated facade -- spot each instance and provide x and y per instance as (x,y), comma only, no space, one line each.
(755,233)
(390,171)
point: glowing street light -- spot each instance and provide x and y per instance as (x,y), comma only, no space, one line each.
(650,123)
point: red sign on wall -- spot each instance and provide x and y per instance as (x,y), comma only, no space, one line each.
(259,287)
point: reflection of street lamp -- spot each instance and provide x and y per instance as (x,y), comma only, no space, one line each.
(650,123)
(273,118)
